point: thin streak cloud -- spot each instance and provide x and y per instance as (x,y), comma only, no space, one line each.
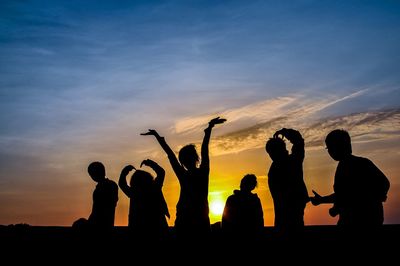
(299,106)
(300,112)
(255,112)
(365,126)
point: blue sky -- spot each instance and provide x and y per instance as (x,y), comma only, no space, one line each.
(81,79)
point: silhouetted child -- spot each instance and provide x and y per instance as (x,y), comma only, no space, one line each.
(148,208)
(243,214)
(286,184)
(359,186)
(192,210)
(105,198)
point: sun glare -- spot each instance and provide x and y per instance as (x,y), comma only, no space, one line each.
(217,207)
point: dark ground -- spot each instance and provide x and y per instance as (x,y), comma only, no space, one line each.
(53,245)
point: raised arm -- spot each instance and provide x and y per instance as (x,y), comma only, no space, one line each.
(160,172)
(296,139)
(205,160)
(122,180)
(178,169)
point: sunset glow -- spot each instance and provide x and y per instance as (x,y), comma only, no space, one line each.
(216,208)
(80,80)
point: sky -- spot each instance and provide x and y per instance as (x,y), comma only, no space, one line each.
(80,80)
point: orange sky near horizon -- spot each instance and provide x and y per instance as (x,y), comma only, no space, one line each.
(81,80)
(56,189)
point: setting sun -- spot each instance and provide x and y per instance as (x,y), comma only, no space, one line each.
(77,87)
(217,207)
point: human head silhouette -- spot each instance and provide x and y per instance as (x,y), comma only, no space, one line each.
(97,171)
(276,148)
(248,183)
(141,179)
(338,143)
(188,157)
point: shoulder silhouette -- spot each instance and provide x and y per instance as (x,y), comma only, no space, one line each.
(243,214)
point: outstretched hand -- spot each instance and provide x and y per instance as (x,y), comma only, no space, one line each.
(216,120)
(317,199)
(151,132)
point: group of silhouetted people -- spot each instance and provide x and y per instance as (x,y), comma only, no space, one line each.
(360,189)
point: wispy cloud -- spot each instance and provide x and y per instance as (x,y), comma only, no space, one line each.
(253,124)
(312,106)
(365,126)
(256,112)
(298,106)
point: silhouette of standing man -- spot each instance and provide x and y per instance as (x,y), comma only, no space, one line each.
(105,198)
(285,180)
(243,214)
(359,186)
(192,210)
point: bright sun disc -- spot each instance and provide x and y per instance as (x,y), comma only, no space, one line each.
(216,207)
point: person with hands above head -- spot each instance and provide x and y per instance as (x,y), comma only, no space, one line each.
(148,209)
(192,210)
(285,181)
(360,187)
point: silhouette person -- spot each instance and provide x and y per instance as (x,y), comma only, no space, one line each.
(192,210)
(359,186)
(243,214)
(105,198)
(148,208)
(285,180)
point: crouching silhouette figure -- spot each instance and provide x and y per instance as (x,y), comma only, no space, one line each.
(243,214)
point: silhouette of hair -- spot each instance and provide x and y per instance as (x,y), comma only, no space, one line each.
(340,140)
(188,156)
(248,182)
(141,179)
(96,171)
(275,146)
